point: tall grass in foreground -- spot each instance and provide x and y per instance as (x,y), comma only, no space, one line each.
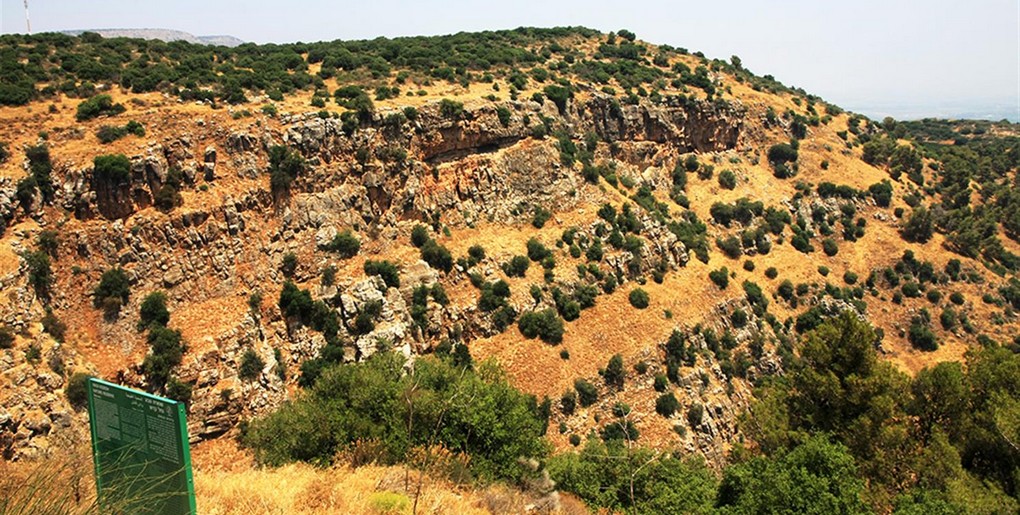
(64,484)
(53,486)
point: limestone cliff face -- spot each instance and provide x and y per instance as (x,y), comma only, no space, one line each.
(466,169)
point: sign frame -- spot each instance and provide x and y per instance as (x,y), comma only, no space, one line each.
(179,479)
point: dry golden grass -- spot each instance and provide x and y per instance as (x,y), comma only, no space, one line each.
(303,489)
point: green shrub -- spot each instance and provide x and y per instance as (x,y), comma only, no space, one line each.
(419,235)
(738,318)
(40,274)
(450,108)
(495,425)
(720,277)
(771,272)
(730,246)
(545,324)
(251,366)
(437,256)
(345,244)
(666,405)
(153,310)
(920,226)
(167,198)
(289,264)
(537,251)
(638,298)
(921,336)
(727,180)
(77,390)
(389,272)
(517,266)
(98,105)
(695,414)
(949,319)
(112,291)
(112,169)
(782,153)
(476,253)
(829,247)
(615,373)
(504,116)
(541,216)
(911,290)
(285,165)
(166,352)
(179,390)
(587,394)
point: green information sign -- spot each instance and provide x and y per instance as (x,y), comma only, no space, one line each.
(140,449)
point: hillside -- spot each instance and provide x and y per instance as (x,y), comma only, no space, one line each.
(644,240)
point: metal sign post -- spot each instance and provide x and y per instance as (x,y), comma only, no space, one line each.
(140,449)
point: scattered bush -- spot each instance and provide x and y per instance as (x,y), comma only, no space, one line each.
(345,244)
(40,274)
(112,169)
(419,235)
(77,390)
(545,324)
(829,247)
(389,272)
(285,165)
(517,266)
(289,264)
(695,414)
(450,108)
(720,277)
(96,106)
(921,337)
(437,256)
(112,291)
(727,180)
(587,394)
(615,372)
(153,311)
(540,217)
(638,298)
(251,366)
(666,405)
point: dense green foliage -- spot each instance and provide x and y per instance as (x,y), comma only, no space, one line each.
(378,407)
(612,476)
(935,435)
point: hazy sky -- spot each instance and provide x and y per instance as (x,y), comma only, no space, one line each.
(909,58)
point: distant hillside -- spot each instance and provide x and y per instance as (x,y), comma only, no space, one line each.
(162,35)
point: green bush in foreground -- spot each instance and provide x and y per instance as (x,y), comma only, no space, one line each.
(477,413)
